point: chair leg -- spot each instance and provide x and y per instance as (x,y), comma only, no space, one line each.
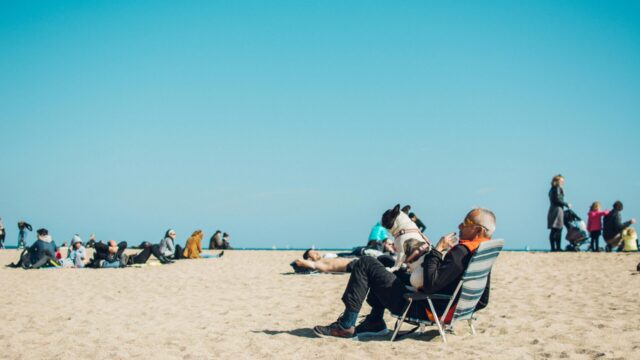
(473,329)
(400,321)
(435,316)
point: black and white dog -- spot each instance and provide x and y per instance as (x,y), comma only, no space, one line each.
(402,228)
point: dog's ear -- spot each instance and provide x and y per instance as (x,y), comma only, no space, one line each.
(389,217)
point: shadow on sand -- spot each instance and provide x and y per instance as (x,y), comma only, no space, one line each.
(302,332)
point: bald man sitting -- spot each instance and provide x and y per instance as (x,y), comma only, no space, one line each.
(384,290)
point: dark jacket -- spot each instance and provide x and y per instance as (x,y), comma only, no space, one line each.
(555,216)
(25,225)
(41,248)
(556,196)
(442,276)
(612,225)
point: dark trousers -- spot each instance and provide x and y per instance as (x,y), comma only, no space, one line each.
(43,260)
(554,238)
(370,280)
(147,250)
(2,236)
(102,251)
(179,252)
(595,240)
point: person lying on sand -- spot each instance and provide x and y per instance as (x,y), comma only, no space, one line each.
(111,255)
(384,290)
(312,260)
(327,263)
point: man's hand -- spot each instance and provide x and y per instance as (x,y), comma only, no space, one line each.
(633,221)
(446,242)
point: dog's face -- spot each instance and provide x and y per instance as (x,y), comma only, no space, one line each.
(389,217)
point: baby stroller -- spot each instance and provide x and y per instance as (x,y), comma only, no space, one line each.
(576,230)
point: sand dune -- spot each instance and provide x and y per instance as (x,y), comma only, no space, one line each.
(245,305)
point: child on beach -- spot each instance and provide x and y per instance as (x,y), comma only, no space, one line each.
(594,224)
(629,239)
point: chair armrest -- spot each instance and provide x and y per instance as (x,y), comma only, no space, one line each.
(422,296)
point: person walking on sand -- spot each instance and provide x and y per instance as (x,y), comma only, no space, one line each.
(555,216)
(594,225)
(22,233)
(2,234)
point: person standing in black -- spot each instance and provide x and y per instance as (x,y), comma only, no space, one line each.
(555,216)
(3,234)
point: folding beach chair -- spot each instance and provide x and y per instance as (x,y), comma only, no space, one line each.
(471,287)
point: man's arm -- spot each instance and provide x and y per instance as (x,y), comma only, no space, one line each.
(439,272)
(307,264)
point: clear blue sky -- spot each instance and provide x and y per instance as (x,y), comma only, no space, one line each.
(298,123)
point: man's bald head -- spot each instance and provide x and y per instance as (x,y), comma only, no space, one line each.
(485,218)
(112,243)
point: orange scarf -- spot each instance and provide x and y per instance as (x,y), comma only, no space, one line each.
(472,245)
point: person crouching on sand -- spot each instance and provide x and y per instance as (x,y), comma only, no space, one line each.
(612,227)
(384,290)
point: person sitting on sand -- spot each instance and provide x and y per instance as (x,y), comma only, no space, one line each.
(629,240)
(613,226)
(167,247)
(92,241)
(43,251)
(226,244)
(386,290)
(193,247)
(76,255)
(216,240)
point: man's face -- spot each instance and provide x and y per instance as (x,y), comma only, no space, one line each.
(314,255)
(469,230)
(77,245)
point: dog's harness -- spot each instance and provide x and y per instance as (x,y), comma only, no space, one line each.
(405,231)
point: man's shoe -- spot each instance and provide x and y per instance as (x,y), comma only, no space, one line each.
(334,330)
(371,327)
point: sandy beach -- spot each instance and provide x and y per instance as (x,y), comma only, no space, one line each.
(248,305)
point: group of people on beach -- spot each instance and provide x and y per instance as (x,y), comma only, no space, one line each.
(45,253)
(617,235)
